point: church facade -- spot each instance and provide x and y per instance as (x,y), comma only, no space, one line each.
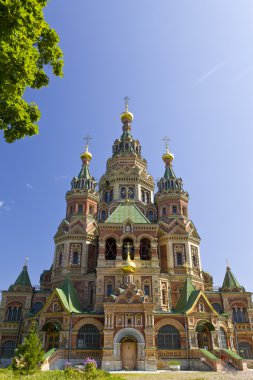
(126,286)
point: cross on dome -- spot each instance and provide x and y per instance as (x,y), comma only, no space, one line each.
(87,140)
(126,98)
(166,140)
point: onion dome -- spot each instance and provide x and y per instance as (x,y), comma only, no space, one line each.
(167,157)
(86,156)
(129,265)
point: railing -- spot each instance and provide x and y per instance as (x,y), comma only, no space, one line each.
(231,357)
(168,354)
(208,358)
(9,325)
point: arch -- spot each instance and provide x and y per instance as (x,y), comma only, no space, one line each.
(110,236)
(128,236)
(8,349)
(172,322)
(88,321)
(54,322)
(204,322)
(168,338)
(240,315)
(88,337)
(129,332)
(245,350)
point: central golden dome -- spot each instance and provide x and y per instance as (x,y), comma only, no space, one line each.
(129,265)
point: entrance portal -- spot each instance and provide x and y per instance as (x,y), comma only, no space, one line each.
(52,335)
(128,353)
(204,335)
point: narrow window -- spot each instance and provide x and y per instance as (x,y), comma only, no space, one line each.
(146,290)
(75,258)
(164,211)
(179,258)
(80,209)
(174,209)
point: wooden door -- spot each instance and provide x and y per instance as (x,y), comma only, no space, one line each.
(128,355)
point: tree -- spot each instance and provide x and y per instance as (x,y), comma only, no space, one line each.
(28,354)
(27,45)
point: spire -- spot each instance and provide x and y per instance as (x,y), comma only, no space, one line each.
(169,181)
(126,144)
(84,179)
(230,283)
(23,279)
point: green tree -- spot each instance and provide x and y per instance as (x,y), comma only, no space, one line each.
(29,354)
(27,45)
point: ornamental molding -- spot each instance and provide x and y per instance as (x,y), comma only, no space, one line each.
(169,321)
(88,321)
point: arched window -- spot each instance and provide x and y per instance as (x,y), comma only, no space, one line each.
(223,339)
(13,314)
(109,289)
(75,258)
(110,249)
(8,349)
(217,307)
(145,249)
(168,338)
(103,215)
(240,315)
(245,350)
(88,337)
(125,249)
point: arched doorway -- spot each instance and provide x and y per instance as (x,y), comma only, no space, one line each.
(129,353)
(204,329)
(52,330)
(129,349)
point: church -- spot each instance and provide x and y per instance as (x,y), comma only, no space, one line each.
(126,285)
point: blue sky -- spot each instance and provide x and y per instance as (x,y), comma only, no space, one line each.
(187,67)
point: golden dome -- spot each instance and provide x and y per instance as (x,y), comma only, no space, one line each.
(127,116)
(86,155)
(168,156)
(129,265)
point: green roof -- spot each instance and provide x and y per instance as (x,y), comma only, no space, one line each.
(127,211)
(23,279)
(68,295)
(85,172)
(187,297)
(169,172)
(230,282)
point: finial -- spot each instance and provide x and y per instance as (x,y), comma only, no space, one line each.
(126,98)
(166,140)
(26,261)
(126,116)
(167,156)
(227,262)
(87,139)
(86,156)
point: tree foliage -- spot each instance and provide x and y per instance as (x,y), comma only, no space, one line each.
(27,45)
(29,354)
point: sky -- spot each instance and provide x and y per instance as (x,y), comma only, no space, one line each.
(187,67)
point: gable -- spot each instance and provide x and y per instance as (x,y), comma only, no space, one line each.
(200,304)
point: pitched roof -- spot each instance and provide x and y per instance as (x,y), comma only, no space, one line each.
(23,279)
(187,297)
(127,211)
(230,282)
(68,295)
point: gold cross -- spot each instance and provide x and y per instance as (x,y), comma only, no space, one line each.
(87,140)
(166,140)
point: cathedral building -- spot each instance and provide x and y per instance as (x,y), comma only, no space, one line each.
(126,286)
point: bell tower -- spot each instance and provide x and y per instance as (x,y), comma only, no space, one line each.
(76,238)
(178,240)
